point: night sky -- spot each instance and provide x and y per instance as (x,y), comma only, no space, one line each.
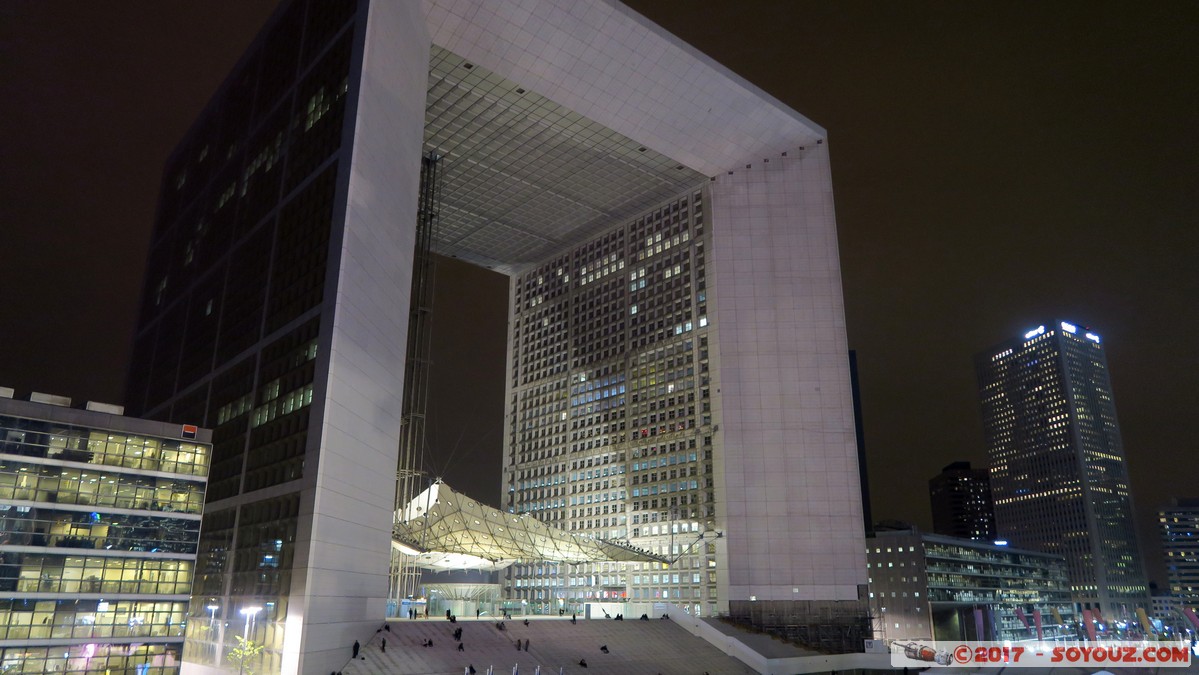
(995,166)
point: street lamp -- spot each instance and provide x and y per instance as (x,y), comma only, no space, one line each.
(249,613)
(213,636)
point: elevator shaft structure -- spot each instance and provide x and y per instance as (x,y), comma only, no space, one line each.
(405,577)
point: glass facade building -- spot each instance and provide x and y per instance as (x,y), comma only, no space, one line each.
(235,288)
(99,529)
(961,502)
(948,588)
(1058,474)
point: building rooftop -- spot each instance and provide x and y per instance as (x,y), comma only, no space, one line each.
(101,416)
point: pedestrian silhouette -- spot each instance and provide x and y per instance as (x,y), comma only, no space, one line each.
(462,647)
(356,648)
(526,622)
(384,645)
(472,669)
(526,645)
(604,648)
(583,662)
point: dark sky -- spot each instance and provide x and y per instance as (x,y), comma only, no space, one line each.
(995,166)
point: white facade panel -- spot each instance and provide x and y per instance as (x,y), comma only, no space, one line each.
(341,592)
(613,66)
(788,474)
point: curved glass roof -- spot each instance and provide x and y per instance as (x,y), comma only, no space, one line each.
(447,530)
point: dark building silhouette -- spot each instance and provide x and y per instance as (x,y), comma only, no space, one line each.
(860,435)
(961,502)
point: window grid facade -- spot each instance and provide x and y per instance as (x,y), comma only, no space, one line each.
(610,412)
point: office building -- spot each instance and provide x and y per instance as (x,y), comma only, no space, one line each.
(1058,475)
(99,527)
(617,428)
(946,588)
(961,502)
(1178,524)
(669,232)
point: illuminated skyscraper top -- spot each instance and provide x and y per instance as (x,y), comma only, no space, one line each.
(1058,474)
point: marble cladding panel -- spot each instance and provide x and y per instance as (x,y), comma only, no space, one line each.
(615,67)
(788,470)
(343,585)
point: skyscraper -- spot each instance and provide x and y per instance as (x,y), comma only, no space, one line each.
(1178,524)
(961,502)
(1058,474)
(676,305)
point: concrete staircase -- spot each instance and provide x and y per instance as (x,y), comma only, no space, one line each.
(634,648)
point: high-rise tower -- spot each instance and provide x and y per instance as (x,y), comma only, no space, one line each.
(676,305)
(1058,475)
(961,502)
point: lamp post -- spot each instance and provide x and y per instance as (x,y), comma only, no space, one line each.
(212,622)
(249,613)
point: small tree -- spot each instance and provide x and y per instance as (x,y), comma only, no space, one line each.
(244,653)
